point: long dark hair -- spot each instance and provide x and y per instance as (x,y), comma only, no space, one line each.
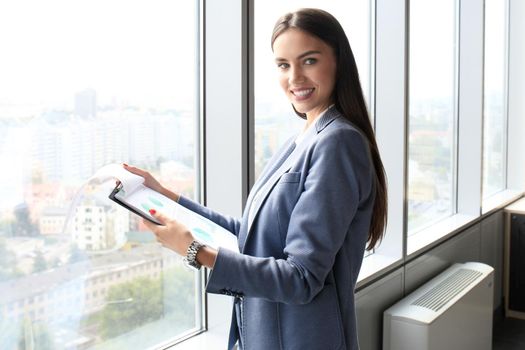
(347,97)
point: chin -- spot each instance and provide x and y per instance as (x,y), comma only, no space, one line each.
(302,109)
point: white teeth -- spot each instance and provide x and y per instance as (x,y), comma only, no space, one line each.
(303,92)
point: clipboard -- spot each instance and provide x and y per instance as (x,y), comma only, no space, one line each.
(141,211)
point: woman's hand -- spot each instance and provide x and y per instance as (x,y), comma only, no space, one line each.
(175,236)
(151,182)
(171,234)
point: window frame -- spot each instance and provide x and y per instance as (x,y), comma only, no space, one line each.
(492,201)
(420,236)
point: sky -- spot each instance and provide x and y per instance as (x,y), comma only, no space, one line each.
(142,52)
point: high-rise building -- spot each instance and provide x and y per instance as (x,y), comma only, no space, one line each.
(86,103)
(96,226)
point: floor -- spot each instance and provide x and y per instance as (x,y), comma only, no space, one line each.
(508,334)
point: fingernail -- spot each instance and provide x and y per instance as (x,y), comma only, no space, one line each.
(125,164)
(152,211)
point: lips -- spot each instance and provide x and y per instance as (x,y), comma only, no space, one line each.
(302,94)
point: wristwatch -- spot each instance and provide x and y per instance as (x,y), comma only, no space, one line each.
(191,255)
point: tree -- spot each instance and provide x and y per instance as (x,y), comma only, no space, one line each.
(130,305)
(144,300)
(8,263)
(55,263)
(6,227)
(75,254)
(43,339)
(179,295)
(23,226)
(40,263)
(6,256)
(35,335)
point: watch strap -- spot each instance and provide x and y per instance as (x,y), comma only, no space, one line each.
(191,254)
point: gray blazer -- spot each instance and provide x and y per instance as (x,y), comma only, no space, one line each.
(294,280)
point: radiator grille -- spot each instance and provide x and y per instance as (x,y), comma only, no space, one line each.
(447,289)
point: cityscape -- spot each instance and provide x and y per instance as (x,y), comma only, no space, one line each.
(73,262)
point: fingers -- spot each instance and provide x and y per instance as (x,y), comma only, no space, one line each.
(171,234)
(163,219)
(135,170)
(157,229)
(151,226)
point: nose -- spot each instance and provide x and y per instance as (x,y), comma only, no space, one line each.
(296,75)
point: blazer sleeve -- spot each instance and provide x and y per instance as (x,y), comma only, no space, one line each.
(229,223)
(339,179)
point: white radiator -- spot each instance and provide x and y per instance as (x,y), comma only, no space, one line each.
(452,311)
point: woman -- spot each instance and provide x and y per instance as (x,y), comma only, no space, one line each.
(320,199)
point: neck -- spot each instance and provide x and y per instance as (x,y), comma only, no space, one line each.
(313,115)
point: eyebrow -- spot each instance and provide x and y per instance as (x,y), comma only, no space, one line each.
(307,53)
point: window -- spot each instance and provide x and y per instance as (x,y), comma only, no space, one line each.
(432,112)
(85,84)
(494,99)
(275,120)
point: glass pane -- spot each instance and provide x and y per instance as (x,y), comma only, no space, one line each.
(494,140)
(84,84)
(275,120)
(432,74)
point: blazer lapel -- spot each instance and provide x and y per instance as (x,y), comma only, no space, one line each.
(279,167)
(270,169)
(273,175)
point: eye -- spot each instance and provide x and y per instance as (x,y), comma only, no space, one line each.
(310,61)
(282,65)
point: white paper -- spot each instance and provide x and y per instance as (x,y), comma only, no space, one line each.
(129,181)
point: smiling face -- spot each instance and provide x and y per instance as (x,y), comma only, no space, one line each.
(307,68)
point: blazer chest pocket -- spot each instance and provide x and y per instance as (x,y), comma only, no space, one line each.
(292,177)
